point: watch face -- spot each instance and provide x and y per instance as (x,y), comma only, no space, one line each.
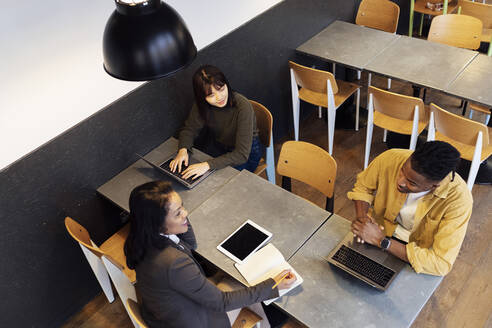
(385,243)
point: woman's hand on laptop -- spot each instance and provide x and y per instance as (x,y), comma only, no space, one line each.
(195,170)
(177,162)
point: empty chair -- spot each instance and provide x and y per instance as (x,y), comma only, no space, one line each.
(420,7)
(397,113)
(310,164)
(112,247)
(321,89)
(264,122)
(472,139)
(380,15)
(480,108)
(481,11)
(456,30)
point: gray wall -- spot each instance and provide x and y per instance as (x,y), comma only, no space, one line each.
(44,276)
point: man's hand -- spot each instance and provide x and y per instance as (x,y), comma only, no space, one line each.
(195,170)
(177,162)
(367,230)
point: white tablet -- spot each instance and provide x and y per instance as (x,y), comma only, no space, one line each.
(243,242)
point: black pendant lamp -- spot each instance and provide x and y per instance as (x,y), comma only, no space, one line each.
(146,40)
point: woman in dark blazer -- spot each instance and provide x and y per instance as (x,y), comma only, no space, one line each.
(172,286)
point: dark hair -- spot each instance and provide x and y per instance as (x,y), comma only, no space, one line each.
(435,159)
(204,78)
(148,211)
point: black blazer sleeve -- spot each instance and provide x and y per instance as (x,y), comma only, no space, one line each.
(186,278)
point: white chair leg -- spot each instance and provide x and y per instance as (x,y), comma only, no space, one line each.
(487,119)
(415,128)
(359,75)
(122,284)
(357,108)
(370,126)
(389,83)
(331,115)
(431,134)
(334,67)
(369,79)
(100,273)
(270,162)
(320,113)
(470,116)
(295,104)
(475,164)
(385,135)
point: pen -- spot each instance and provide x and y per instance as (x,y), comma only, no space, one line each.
(285,276)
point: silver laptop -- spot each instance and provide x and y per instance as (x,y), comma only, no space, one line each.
(164,168)
(366,262)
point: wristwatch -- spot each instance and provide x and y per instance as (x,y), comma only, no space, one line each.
(385,243)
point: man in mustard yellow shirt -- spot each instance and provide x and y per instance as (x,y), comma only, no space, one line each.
(413,205)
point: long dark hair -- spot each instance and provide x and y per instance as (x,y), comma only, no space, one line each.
(204,78)
(148,211)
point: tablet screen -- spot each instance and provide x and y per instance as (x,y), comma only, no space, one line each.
(244,241)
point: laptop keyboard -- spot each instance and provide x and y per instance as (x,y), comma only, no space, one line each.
(377,273)
(165,166)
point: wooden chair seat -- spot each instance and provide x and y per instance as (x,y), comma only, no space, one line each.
(480,108)
(345,90)
(246,319)
(421,8)
(397,125)
(466,151)
(114,248)
(486,35)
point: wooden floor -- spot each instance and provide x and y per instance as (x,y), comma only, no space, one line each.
(464,298)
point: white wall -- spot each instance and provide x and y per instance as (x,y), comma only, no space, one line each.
(51,62)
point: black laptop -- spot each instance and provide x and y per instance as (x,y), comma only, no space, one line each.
(164,168)
(366,262)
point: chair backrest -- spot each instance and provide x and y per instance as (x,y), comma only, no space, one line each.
(459,128)
(310,164)
(378,14)
(136,315)
(264,122)
(456,30)
(313,79)
(478,10)
(81,235)
(398,106)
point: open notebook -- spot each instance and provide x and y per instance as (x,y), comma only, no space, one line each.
(266,263)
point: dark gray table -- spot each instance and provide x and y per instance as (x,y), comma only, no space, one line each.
(348,44)
(290,218)
(119,187)
(329,297)
(420,62)
(474,81)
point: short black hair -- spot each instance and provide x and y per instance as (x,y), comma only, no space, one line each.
(435,159)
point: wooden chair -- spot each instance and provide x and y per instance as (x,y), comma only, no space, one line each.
(246,318)
(472,139)
(321,89)
(456,30)
(112,247)
(310,164)
(420,7)
(381,15)
(481,11)
(397,113)
(264,121)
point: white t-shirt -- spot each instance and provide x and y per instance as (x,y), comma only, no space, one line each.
(405,218)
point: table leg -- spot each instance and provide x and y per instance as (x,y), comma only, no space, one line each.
(410,23)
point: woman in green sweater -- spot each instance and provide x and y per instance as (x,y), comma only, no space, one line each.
(229,121)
